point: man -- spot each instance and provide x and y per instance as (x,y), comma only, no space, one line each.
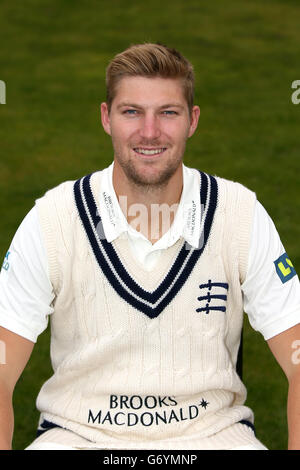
(145,269)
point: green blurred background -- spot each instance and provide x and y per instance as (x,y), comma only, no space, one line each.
(53,56)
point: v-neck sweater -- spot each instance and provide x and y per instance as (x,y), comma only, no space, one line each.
(145,359)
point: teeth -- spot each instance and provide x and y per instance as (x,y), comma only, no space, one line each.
(149,152)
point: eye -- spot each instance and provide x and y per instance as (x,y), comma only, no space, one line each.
(169,112)
(130,112)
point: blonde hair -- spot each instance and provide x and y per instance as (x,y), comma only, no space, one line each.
(150,60)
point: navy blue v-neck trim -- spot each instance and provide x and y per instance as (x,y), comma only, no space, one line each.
(150,303)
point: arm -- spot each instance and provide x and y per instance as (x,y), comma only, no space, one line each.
(15,353)
(283,349)
(25,304)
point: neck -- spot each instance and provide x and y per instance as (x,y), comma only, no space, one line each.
(149,209)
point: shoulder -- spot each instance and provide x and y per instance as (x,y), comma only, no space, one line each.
(234,188)
(228,198)
(224,184)
(234,217)
(229,194)
(63,193)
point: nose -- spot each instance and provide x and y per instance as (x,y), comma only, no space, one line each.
(150,127)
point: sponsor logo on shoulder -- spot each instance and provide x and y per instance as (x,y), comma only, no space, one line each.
(284,268)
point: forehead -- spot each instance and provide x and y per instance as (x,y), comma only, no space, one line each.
(147,92)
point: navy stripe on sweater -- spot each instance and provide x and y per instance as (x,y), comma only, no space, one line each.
(150,303)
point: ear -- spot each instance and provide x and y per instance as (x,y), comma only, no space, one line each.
(105,118)
(194,120)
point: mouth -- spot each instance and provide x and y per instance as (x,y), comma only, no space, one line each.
(149,152)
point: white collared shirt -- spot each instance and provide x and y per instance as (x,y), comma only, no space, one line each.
(26,293)
(186,223)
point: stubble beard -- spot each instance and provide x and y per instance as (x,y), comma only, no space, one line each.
(149,183)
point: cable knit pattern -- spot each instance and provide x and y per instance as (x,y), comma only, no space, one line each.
(125,380)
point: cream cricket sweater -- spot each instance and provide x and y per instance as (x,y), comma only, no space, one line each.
(145,359)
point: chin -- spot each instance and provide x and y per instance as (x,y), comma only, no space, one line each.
(151,180)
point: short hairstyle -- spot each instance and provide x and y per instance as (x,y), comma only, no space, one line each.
(150,60)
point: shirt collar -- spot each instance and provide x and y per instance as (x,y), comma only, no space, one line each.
(186,223)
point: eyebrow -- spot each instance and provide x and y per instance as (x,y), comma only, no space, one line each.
(164,106)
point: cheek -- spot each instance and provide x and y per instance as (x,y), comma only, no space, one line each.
(122,133)
(176,131)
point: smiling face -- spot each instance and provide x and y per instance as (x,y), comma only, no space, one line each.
(149,123)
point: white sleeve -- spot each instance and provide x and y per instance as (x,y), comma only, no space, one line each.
(26,293)
(271,288)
